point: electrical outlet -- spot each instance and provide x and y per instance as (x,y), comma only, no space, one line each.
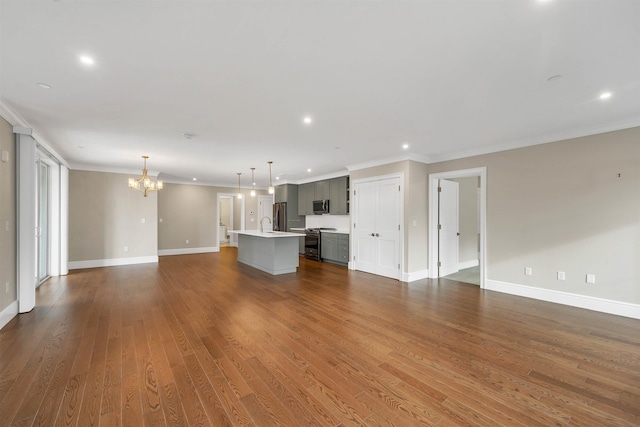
(126,248)
(160,220)
(528,271)
(187,241)
(142,221)
(591,278)
(561,275)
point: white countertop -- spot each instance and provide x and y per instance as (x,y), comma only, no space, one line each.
(265,234)
(338,231)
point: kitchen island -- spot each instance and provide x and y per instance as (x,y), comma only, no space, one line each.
(274,252)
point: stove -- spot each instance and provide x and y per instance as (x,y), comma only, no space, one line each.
(312,243)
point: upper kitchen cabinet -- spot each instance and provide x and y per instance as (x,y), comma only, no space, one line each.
(339,196)
(281,193)
(335,190)
(306,196)
(323,190)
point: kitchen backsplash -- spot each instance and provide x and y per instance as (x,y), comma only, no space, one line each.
(341,222)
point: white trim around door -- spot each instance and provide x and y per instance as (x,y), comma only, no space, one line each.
(433,217)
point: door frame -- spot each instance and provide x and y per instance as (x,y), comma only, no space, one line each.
(480,172)
(217,227)
(270,199)
(354,210)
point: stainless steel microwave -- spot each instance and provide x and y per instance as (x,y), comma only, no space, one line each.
(320,207)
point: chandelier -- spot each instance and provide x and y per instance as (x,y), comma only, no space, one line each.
(145,184)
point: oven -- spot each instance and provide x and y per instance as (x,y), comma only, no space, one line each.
(312,244)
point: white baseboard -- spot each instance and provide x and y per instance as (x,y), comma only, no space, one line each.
(582,301)
(415,275)
(111,262)
(8,313)
(468,264)
(187,251)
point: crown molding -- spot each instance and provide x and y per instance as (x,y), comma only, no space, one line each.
(539,140)
(20,123)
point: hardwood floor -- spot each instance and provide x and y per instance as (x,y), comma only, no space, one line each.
(201,340)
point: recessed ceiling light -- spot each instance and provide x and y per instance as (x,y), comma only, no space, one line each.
(554,78)
(337,148)
(605,95)
(44,85)
(405,146)
(308,170)
(187,135)
(277,178)
(307,120)
(195,179)
(86,60)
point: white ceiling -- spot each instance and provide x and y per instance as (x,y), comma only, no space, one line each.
(449,77)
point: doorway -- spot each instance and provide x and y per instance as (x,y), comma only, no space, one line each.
(229,206)
(457,225)
(225,223)
(265,210)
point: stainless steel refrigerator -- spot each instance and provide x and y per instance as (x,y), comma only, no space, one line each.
(280,216)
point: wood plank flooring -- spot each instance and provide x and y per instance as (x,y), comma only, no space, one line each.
(200,340)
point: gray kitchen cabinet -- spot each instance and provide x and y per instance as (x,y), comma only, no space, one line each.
(334,248)
(306,196)
(288,193)
(281,193)
(323,191)
(338,204)
(343,248)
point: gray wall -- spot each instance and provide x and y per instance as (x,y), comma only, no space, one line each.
(105,216)
(7,216)
(468,219)
(573,206)
(189,212)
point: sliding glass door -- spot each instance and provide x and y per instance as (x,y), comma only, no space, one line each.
(42,218)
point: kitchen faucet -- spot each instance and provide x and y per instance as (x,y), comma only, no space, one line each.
(263,218)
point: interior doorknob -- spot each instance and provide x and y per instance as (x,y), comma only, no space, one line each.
(377,235)
(373,234)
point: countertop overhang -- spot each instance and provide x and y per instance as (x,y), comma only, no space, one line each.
(265,234)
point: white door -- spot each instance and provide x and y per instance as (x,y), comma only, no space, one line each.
(377,227)
(265,209)
(364,250)
(448,194)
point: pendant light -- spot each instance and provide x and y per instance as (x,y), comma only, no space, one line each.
(239,193)
(253,183)
(271,189)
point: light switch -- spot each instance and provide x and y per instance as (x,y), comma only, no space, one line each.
(5,156)
(591,278)
(160,220)
(528,271)
(414,223)
(142,221)
(561,275)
